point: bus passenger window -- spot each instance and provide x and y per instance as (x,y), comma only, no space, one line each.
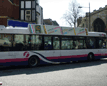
(36,42)
(66,43)
(39,43)
(63,46)
(47,42)
(80,44)
(71,44)
(18,42)
(85,47)
(75,44)
(56,43)
(6,42)
(102,43)
(91,43)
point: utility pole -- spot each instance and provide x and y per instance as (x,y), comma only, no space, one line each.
(35,12)
(89,18)
(88,15)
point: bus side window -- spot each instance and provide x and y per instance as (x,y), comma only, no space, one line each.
(27,44)
(6,42)
(75,44)
(47,42)
(85,46)
(100,43)
(91,43)
(38,45)
(66,43)
(71,44)
(104,45)
(63,45)
(18,42)
(56,43)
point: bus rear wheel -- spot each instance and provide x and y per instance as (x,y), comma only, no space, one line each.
(33,61)
(90,57)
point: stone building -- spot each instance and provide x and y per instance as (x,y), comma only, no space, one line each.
(98,20)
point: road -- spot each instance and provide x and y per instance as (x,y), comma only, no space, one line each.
(70,74)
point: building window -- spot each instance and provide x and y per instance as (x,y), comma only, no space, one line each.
(33,4)
(22,4)
(28,15)
(28,4)
(22,14)
(33,15)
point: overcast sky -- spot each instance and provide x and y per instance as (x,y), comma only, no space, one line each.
(55,9)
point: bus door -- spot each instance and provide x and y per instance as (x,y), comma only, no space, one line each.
(48,46)
(56,47)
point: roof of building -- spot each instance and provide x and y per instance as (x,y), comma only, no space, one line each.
(50,22)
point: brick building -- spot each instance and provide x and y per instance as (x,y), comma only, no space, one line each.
(20,11)
(9,9)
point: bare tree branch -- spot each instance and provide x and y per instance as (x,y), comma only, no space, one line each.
(72,14)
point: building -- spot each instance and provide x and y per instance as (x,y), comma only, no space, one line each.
(98,20)
(79,21)
(50,22)
(15,12)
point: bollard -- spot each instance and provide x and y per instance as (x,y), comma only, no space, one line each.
(0,83)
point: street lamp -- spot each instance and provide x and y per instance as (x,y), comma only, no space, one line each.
(89,14)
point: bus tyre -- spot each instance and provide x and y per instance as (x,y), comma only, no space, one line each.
(33,61)
(90,57)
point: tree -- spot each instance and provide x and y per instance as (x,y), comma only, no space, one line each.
(72,13)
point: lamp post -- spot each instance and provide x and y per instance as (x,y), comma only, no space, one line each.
(89,14)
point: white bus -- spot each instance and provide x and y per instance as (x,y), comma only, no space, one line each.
(20,47)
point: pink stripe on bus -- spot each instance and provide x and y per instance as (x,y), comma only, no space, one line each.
(13,60)
(62,57)
(97,54)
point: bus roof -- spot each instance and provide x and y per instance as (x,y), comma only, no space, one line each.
(23,30)
(96,34)
(16,30)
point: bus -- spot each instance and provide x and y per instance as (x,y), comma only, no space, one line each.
(20,47)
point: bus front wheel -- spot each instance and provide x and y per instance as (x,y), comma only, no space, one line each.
(33,61)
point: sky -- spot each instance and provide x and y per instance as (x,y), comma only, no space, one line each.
(54,9)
